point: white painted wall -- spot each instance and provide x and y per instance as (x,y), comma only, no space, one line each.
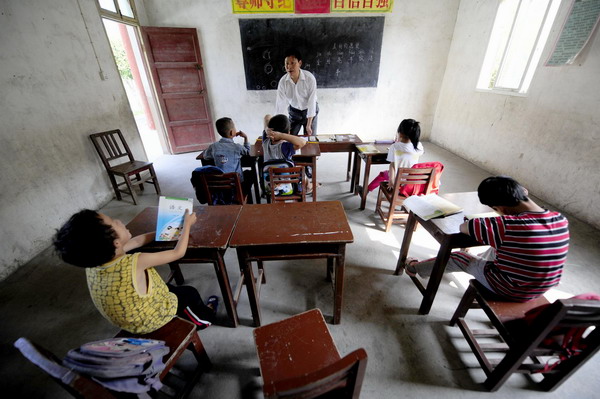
(417,36)
(52,99)
(548,140)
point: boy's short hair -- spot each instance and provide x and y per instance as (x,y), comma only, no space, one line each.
(293,52)
(224,125)
(280,123)
(501,191)
(85,240)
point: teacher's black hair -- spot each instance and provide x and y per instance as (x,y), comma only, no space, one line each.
(293,52)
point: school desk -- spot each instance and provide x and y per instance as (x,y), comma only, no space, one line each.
(446,231)
(307,156)
(339,143)
(375,154)
(247,161)
(208,241)
(297,230)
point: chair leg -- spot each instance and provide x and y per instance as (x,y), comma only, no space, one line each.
(113,181)
(464,305)
(390,218)
(154,180)
(199,352)
(131,189)
(139,178)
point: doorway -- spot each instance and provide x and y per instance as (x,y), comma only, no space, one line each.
(126,49)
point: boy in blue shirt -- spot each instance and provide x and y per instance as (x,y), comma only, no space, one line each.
(226,154)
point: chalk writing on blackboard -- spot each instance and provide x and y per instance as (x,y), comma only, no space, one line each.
(340,52)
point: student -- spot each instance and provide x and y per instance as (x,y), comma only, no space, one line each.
(126,288)
(529,244)
(226,154)
(277,141)
(297,95)
(404,153)
(278,144)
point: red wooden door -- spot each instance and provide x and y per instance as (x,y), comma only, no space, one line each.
(176,65)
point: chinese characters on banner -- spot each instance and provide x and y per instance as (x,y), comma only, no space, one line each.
(310,6)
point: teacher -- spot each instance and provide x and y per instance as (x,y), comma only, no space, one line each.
(297,95)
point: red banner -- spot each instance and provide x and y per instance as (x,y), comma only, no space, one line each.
(312,6)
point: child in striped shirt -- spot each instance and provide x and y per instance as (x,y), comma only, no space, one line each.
(528,244)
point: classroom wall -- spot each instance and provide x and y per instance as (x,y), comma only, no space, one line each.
(548,140)
(52,99)
(416,40)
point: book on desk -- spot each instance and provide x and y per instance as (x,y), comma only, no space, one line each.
(431,206)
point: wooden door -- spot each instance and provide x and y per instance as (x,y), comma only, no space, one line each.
(176,64)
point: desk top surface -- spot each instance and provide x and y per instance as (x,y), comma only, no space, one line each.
(470,204)
(292,223)
(374,149)
(294,347)
(212,229)
(309,150)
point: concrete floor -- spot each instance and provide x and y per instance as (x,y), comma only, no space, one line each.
(410,355)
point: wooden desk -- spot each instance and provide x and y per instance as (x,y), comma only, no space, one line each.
(247,161)
(446,232)
(343,143)
(370,158)
(312,230)
(307,156)
(207,244)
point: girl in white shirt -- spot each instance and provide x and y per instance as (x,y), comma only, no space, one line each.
(407,149)
(404,153)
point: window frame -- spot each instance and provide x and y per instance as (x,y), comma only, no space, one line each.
(118,16)
(486,72)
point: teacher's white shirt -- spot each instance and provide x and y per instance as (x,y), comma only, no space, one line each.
(301,95)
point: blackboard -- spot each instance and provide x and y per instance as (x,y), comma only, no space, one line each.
(340,52)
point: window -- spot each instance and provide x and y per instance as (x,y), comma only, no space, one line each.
(119,10)
(518,37)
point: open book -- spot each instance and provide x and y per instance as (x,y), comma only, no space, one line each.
(169,223)
(430,206)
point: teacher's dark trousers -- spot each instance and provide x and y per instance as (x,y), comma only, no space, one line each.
(298,119)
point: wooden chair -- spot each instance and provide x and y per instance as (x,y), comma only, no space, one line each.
(521,340)
(294,176)
(112,148)
(178,335)
(420,179)
(223,189)
(298,359)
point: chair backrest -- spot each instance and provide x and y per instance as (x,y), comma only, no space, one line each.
(564,320)
(273,163)
(287,184)
(223,189)
(413,182)
(78,385)
(198,184)
(342,379)
(111,146)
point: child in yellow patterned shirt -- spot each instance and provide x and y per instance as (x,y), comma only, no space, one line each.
(126,288)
